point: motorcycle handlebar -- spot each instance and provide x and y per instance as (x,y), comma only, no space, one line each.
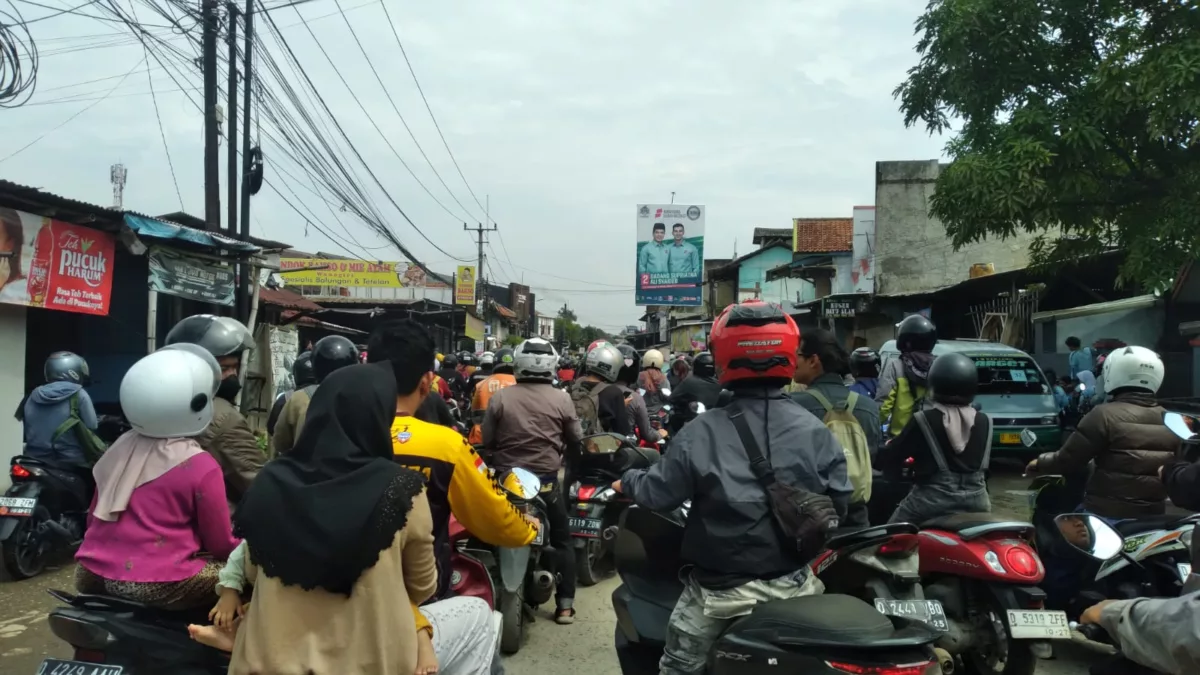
(1092,632)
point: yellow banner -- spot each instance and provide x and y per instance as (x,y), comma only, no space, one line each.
(350,273)
(474,328)
(464,290)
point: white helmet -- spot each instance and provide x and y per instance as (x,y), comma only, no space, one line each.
(487,359)
(605,361)
(169,394)
(652,359)
(536,360)
(1133,367)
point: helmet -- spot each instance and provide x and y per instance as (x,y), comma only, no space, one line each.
(169,394)
(535,359)
(67,367)
(451,361)
(220,335)
(1136,367)
(754,340)
(332,352)
(916,334)
(953,379)
(487,359)
(703,365)
(652,359)
(629,364)
(302,370)
(468,359)
(628,353)
(864,362)
(596,343)
(505,361)
(605,361)
(440,357)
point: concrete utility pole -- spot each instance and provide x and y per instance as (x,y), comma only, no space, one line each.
(212,179)
(231,126)
(479,231)
(247,162)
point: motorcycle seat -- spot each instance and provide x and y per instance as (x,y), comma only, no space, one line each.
(1168,521)
(847,537)
(971,525)
(828,619)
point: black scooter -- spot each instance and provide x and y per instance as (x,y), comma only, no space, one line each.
(42,514)
(820,634)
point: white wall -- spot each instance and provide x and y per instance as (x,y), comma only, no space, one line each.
(12,384)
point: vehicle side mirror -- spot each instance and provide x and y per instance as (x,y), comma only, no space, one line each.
(522,483)
(1184,426)
(1028,438)
(700,408)
(602,444)
(1090,535)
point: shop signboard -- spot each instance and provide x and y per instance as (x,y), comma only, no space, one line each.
(670,254)
(54,265)
(350,273)
(176,273)
(464,285)
(838,309)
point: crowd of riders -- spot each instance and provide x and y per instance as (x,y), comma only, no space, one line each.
(367,462)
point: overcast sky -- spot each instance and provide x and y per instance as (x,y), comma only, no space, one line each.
(566,113)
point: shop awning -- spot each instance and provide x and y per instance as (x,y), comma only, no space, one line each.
(168,231)
(287,299)
(504,311)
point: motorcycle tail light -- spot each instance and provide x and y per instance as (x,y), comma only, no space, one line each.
(1022,562)
(19,471)
(921,668)
(83,635)
(898,546)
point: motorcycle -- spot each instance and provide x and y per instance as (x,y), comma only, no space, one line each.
(819,634)
(468,574)
(44,513)
(595,508)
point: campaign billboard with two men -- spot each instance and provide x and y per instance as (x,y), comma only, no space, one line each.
(670,254)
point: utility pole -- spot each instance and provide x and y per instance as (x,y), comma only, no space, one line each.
(231,172)
(247,163)
(212,179)
(479,232)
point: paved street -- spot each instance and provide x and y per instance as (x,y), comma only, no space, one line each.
(586,646)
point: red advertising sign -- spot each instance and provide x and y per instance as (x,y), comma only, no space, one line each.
(56,265)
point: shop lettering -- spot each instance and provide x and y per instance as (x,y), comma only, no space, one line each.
(75,261)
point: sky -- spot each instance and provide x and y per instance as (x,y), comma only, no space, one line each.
(562,117)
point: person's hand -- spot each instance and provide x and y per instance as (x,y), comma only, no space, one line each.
(532,520)
(227,608)
(664,433)
(1031,467)
(1092,614)
(617,486)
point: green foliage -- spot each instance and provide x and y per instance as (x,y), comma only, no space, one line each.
(513,340)
(1075,119)
(569,334)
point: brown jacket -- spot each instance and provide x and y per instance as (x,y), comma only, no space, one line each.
(231,442)
(1128,441)
(530,426)
(291,420)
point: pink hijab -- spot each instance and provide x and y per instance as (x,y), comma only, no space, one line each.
(132,461)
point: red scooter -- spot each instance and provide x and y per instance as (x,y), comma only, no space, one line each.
(468,575)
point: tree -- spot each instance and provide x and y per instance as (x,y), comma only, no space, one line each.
(568,314)
(513,340)
(1079,122)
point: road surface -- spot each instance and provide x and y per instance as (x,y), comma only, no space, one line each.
(586,646)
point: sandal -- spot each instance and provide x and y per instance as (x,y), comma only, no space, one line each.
(565,616)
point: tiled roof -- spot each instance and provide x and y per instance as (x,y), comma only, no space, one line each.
(763,233)
(823,235)
(504,311)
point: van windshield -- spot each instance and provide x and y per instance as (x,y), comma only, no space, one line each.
(1005,374)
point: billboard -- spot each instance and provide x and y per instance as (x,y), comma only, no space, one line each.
(670,254)
(176,273)
(520,300)
(55,265)
(350,273)
(464,285)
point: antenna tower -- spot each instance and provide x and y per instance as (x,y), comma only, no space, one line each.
(116,175)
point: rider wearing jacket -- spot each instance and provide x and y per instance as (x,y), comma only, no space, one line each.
(864,367)
(902,382)
(502,376)
(228,438)
(449,372)
(737,551)
(699,387)
(47,409)
(330,353)
(639,416)
(302,376)
(1125,437)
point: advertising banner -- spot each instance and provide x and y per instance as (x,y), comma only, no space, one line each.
(55,265)
(350,273)
(464,285)
(670,254)
(520,300)
(176,273)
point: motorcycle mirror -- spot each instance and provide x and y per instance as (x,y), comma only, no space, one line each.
(642,391)
(602,444)
(523,483)
(666,391)
(700,408)
(1184,426)
(1090,534)
(1028,438)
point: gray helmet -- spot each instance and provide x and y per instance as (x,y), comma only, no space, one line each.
(220,335)
(605,361)
(67,367)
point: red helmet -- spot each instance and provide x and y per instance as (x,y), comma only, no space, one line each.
(754,340)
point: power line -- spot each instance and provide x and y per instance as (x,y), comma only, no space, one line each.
(158,117)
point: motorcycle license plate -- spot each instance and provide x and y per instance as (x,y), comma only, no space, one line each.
(1185,570)
(541,534)
(586,527)
(18,507)
(60,667)
(1038,624)
(925,611)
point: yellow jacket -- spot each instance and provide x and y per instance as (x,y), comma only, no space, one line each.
(897,408)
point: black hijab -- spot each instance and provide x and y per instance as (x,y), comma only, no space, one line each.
(320,515)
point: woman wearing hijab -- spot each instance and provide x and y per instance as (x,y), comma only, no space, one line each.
(160,499)
(950,443)
(340,542)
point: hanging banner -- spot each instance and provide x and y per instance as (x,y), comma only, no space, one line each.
(55,265)
(179,274)
(464,285)
(350,273)
(670,254)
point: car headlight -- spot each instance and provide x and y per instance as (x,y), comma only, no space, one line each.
(1049,419)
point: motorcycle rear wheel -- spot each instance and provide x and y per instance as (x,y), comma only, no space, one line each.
(1019,657)
(512,626)
(24,555)
(590,566)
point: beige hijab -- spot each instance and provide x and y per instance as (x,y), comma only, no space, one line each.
(958,421)
(132,461)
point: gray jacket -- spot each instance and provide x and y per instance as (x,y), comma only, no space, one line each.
(887,378)
(731,536)
(1158,633)
(45,410)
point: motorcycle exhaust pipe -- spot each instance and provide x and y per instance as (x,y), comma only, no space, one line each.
(57,531)
(610,533)
(542,580)
(945,660)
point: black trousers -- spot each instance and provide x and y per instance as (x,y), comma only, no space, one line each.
(560,539)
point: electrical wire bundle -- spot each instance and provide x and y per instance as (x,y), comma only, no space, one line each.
(18,59)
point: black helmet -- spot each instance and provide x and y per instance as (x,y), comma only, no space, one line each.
(302,370)
(864,362)
(916,334)
(629,353)
(451,361)
(332,352)
(220,335)
(67,367)
(704,365)
(503,361)
(468,359)
(953,379)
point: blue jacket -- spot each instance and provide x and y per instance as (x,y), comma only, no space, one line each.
(46,409)
(866,386)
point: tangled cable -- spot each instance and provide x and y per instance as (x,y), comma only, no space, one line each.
(18,59)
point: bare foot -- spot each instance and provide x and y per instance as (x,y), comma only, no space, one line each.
(212,636)
(427,663)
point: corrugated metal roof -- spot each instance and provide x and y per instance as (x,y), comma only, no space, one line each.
(282,297)
(763,233)
(823,235)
